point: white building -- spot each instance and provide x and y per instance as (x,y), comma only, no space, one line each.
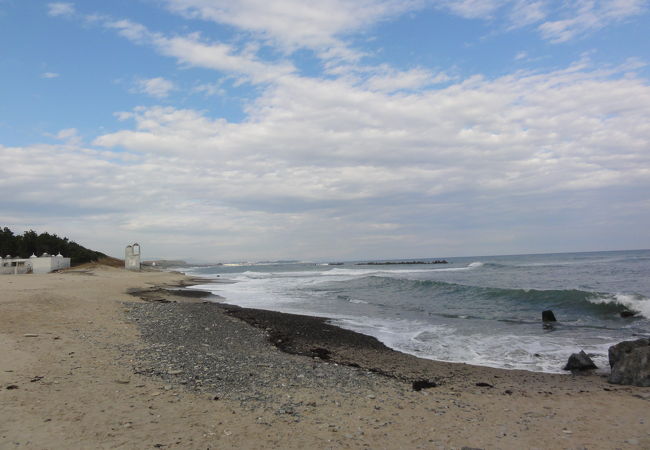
(132,257)
(34,264)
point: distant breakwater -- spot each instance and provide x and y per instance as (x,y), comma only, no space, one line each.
(390,263)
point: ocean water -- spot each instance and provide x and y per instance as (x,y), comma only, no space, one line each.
(482,310)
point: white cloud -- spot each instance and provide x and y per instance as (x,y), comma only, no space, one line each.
(330,155)
(210,89)
(49,75)
(155,87)
(193,51)
(322,161)
(590,15)
(60,9)
(295,24)
(392,80)
(557,21)
(472,9)
(525,12)
(70,136)
(521,55)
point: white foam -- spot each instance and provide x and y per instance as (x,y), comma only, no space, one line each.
(633,302)
(444,343)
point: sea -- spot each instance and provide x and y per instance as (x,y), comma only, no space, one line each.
(483,310)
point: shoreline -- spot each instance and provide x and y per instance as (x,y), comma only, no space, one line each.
(106,369)
(315,337)
(265,318)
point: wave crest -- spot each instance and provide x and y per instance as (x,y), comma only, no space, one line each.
(634,302)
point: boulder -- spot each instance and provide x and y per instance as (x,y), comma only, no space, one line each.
(548,316)
(630,363)
(617,352)
(579,361)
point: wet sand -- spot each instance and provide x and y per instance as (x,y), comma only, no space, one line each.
(85,364)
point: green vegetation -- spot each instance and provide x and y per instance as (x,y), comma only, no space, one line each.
(31,243)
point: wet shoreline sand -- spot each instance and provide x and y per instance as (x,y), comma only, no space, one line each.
(108,370)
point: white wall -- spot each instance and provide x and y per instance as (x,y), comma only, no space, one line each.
(48,263)
(43,264)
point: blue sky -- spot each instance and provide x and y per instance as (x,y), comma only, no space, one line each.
(229,130)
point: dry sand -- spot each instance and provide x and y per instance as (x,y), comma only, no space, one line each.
(67,380)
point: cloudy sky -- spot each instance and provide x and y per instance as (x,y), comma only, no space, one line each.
(339,129)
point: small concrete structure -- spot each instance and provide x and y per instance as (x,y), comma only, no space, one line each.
(34,264)
(132,257)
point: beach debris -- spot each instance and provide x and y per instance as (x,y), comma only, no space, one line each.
(484,384)
(579,362)
(30,335)
(630,363)
(548,316)
(418,385)
(11,387)
(36,378)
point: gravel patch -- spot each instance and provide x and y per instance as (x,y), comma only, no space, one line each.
(198,346)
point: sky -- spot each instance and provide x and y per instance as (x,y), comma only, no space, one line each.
(228,130)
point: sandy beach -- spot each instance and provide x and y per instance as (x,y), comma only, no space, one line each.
(103,358)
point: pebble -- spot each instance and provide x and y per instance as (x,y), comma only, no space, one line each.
(230,359)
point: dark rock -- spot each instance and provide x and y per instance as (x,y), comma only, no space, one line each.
(627,313)
(548,316)
(418,385)
(579,361)
(12,386)
(321,353)
(618,351)
(483,384)
(630,363)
